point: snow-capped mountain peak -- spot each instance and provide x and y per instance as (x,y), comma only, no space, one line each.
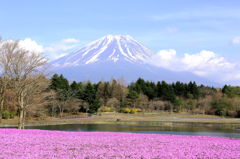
(110,48)
(116,56)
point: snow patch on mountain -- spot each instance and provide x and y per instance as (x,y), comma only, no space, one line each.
(115,48)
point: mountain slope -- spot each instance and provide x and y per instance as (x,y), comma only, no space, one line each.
(115,48)
(116,56)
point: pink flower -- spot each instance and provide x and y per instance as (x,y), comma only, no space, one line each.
(39,144)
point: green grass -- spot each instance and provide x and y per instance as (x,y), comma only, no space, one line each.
(121,118)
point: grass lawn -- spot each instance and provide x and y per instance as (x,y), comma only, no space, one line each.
(114,118)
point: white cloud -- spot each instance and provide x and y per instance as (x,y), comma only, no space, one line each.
(210,65)
(204,60)
(61,48)
(63,45)
(205,63)
(58,47)
(70,40)
(164,58)
(31,45)
(236,40)
(53,51)
(167,54)
(55,55)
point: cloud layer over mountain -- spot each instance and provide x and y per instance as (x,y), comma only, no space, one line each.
(204,63)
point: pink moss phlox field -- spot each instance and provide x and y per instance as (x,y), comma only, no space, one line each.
(43,144)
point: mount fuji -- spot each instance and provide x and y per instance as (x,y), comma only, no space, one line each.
(117,56)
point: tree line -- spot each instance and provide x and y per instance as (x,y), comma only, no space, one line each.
(26,92)
(143,95)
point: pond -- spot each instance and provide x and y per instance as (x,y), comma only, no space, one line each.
(177,128)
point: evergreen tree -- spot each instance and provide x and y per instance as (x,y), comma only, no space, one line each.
(55,82)
(59,82)
(74,86)
(193,89)
(159,89)
(168,92)
(231,91)
(89,95)
(179,89)
(77,89)
(150,90)
(140,86)
(132,97)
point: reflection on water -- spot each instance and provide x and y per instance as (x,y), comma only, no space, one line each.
(195,129)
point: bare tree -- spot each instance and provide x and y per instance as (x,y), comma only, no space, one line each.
(24,70)
(113,102)
(66,98)
(5,59)
(143,101)
(2,88)
(35,99)
(52,102)
(118,90)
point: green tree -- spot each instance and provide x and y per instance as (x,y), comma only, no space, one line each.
(59,82)
(178,104)
(168,92)
(221,106)
(231,91)
(159,89)
(179,88)
(132,98)
(89,95)
(150,90)
(74,86)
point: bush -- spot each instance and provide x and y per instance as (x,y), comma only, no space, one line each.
(135,110)
(7,115)
(106,109)
(130,110)
(125,110)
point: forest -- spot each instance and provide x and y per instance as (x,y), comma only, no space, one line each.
(28,91)
(62,97)
(141,96)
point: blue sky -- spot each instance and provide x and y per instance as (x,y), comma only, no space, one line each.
(187,26)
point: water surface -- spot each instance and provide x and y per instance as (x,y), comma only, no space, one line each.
(193,129)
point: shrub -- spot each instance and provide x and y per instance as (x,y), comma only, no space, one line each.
(7,115)
(106,109)
(135,110)
(125,110)
(130,110)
